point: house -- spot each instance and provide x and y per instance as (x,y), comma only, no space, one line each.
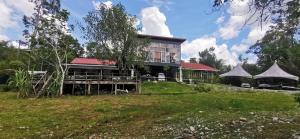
(91,75)
(196,72)
(88,75)
(164,56)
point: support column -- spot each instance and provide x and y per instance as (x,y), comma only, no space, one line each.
(132,73)
(73,88)
(140,87)
(180,74)
(98,90)
(89,89)
(116,87)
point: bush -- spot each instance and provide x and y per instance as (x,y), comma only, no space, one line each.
(21,81)
(204,88)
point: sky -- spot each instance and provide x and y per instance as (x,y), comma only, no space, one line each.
(197,21)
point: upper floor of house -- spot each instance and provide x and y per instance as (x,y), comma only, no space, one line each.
(163,49)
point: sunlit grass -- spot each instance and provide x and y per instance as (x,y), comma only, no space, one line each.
(130,115)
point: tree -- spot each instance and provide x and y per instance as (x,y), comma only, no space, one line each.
(10,59)
(208,57)
(94,51)
(111,34)
(193,60)
(50,42)
(281,42)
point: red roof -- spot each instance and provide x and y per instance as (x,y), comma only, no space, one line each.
(197,66)
(92,61)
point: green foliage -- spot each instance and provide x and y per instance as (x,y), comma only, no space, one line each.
(166,88)
(21,81)
(253,69)
(205,88)
(94,51)
(281,42)
(213,88)
(51,44)
(12,58)
(111,33)
(208,57)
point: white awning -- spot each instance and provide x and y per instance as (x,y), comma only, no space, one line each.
(276,72)
(238,71)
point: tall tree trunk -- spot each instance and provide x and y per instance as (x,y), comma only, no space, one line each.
(61,71)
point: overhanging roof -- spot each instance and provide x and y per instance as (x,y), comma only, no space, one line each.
(238,71)
(86,66)
(196,66)
(162,38)
(276,72)
(92,61)
(161,64)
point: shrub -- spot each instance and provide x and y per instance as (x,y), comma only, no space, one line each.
(21,81)
(203,88)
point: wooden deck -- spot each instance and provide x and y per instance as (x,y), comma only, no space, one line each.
(95,82)
(88,79)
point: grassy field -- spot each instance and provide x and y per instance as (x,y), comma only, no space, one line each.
(163,110)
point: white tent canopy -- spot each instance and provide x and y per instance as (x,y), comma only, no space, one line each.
(238,71)
(276,72)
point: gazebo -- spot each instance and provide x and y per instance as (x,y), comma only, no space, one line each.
(236,76)
(275,77)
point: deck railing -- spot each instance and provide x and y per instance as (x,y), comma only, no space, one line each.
(93,76)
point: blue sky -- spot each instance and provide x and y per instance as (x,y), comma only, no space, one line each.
(194,20)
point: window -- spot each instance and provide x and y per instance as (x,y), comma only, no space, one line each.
(172,58)
(157,56)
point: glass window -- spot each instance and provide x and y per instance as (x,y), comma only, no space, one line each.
(157,56)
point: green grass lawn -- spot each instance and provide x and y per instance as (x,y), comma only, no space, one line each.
(163,110)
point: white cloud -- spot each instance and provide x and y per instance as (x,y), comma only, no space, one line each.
(16,44)
(232,27)
(23,6)
(3,37)
(256,33)
(220,20)
(239,15)
(99,5)
(240,48)
(11,12)
(154,22)
(161,3)
(239,12)
(192,49)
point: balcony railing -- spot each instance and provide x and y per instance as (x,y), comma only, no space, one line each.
(93,76)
